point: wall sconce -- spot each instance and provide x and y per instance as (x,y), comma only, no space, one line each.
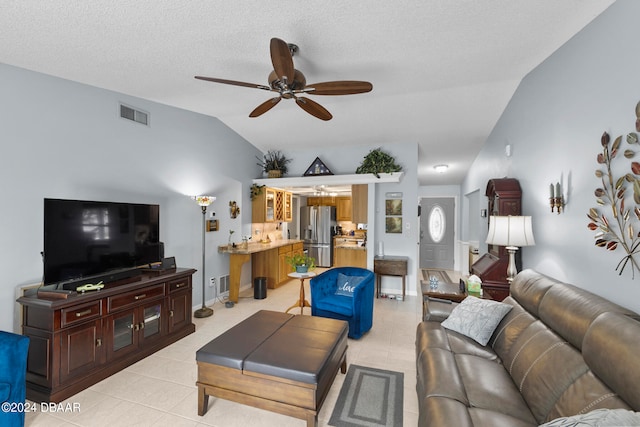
(556,200)
(234,209)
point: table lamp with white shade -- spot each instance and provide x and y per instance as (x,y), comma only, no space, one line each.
(512,232)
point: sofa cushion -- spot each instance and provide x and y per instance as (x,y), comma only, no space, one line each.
(300,349)
(543,366)
(529,287)
(610,344)
(599,417)
(347,284)
(336,304)
(583,306)
(476,318)
(227,350)
(510,328)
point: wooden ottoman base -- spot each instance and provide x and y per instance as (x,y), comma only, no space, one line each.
(292,379)
(295,399)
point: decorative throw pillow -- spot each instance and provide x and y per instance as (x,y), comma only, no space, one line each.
(347,284)
(476,318)
(599,417)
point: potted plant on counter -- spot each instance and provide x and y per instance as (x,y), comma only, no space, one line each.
(301,263)
(274,163)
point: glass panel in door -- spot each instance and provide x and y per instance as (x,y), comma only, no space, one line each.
(152,318)
(123,331)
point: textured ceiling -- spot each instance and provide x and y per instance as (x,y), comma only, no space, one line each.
(442,70)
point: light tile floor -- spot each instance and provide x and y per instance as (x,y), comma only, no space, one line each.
(160,390)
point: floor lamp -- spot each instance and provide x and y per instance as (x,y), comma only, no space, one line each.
(203,201)
(512,232)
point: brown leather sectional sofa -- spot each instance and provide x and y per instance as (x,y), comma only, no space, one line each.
(560,351)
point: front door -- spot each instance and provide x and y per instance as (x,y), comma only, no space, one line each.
(436,233)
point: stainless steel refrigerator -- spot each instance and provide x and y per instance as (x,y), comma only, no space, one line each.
(317,228)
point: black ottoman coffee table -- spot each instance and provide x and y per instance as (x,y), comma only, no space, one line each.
(275,361)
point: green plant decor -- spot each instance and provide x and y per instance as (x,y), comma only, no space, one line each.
(377,162)
(274,160)
(256,190)
(617,219)
(300,259)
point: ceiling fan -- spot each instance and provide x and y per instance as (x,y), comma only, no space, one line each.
(290,83)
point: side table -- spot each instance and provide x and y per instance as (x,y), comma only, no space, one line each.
(302,302)
(390,266)
(445,292)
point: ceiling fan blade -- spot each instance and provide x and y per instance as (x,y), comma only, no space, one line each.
(345,87)
(265,106)
(313,108)
(282,60)
(233,82)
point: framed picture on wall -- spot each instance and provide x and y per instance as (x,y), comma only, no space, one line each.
(393,212)
(393,224)
(393,207)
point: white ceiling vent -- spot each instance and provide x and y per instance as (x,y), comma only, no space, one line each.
(132,114)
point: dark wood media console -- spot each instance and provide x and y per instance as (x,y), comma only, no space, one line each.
(78,341)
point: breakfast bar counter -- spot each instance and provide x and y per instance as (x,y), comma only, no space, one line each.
(267,260)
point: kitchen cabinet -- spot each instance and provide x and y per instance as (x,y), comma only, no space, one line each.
(321,201)
(359,202)
(263,206)
(272,264)
(287,215)
(343,208)
(350,257)
(349,252)
(272,205)
(284,252)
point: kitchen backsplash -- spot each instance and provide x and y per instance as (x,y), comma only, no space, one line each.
(260,231)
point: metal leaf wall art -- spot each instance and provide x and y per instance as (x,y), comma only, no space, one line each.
(616,224)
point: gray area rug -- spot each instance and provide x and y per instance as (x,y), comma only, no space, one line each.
(369,397)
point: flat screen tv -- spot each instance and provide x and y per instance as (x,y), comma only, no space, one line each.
(88,238)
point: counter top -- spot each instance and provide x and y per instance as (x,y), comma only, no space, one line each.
(352,247)
(257,247)
(349,242)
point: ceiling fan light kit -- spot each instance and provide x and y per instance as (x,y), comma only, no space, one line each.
(290,83)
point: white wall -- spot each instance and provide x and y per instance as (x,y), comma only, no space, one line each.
(62,139)
(554,123)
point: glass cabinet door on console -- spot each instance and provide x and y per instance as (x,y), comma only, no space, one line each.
(151,325)
(130,329)
(122,333)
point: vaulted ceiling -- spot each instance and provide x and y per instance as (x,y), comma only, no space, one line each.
(442,71)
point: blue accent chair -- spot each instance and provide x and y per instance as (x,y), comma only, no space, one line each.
(13,372)
(356,309)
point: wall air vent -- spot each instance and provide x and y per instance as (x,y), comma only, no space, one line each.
(223,287)
(132,114)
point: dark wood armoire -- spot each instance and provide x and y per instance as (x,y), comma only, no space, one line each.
(504,198)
